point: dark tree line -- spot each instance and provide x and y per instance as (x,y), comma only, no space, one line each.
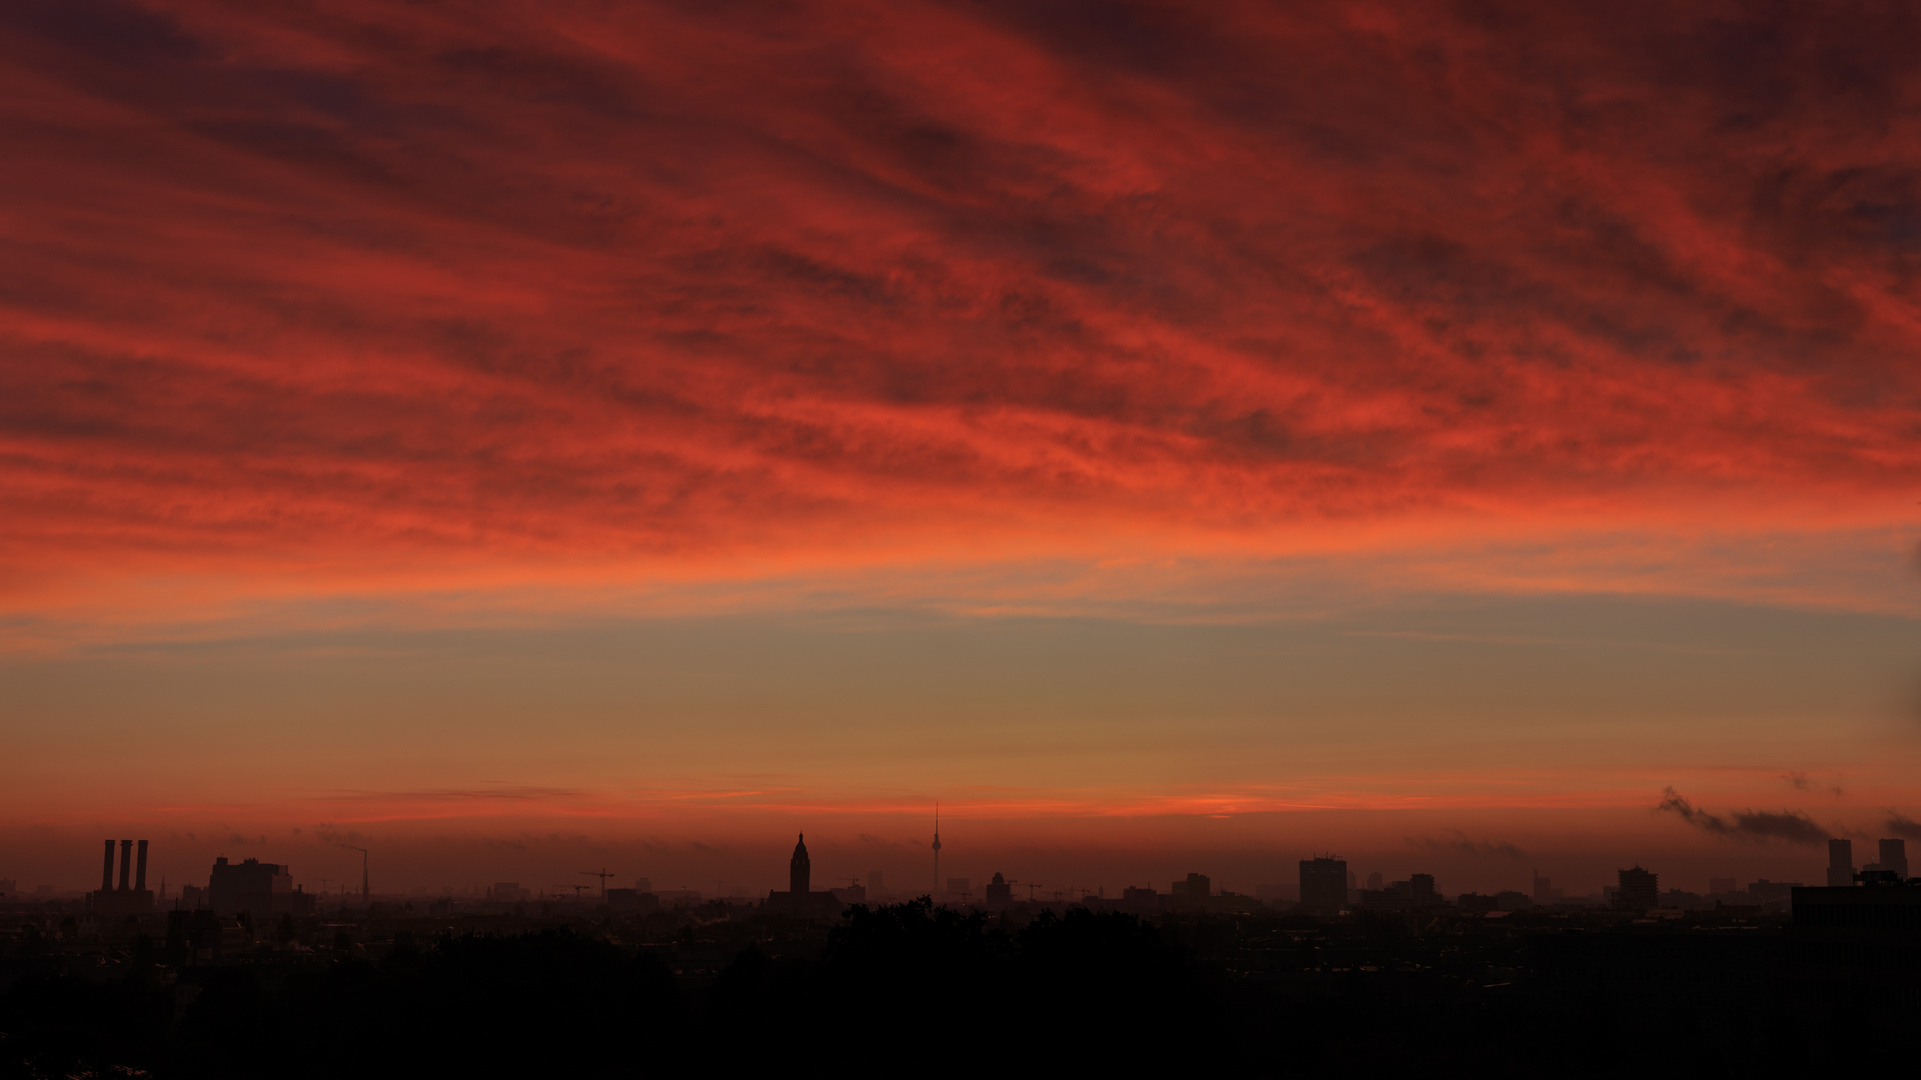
(899,987)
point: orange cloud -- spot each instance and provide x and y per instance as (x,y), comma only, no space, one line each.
(375,293)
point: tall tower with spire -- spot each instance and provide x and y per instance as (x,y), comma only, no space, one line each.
(800,871)
(936,892)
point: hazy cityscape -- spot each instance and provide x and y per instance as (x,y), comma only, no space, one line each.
(1702,973)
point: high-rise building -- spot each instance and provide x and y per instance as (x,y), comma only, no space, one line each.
(999,893)
(1420,890)
(1894,856)
(1840,862)
(1324,884)
(1638,890)
(1375,880)
(1544,890)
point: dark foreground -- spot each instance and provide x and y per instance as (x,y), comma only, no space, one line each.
(910,989)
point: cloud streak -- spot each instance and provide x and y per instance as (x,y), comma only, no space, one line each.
(1792,826)
(384,287)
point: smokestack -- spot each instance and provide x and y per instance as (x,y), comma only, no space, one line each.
(106,869)
(140,870)
(126,862)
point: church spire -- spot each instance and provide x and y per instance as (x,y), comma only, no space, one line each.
(800,870)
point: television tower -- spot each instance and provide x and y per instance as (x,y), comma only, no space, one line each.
(937,853)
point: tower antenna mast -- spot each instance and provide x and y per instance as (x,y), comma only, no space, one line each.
(937,852)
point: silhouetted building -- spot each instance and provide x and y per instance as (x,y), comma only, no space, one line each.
(255,888)
(1772,895)
(800,899)
(1848,940)
(1720,885)
(1840,862)
(1638,890)
(1544,890)
(1192,892)
(509,892)
(999,892)
(131,897)
(1416,892)
(1324,883)
(1893,859)
(1139,895)
(631,900)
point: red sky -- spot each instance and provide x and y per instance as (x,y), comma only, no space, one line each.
(398,370)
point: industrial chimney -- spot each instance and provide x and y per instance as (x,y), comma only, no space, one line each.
(126,863)
(106,870)
(140,870)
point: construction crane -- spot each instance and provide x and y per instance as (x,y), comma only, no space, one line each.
(603,875)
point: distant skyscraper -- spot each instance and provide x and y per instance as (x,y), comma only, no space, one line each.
(1376,881)
(1640,890)
(1894,856)
(1840,862)
(1324,884)
(1420,890)
(999,892)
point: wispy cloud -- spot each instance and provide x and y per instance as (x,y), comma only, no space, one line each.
(1793,826)
(400,300)
(1903,826)
(1801,782)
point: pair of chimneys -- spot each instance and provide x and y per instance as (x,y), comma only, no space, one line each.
(126,856)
